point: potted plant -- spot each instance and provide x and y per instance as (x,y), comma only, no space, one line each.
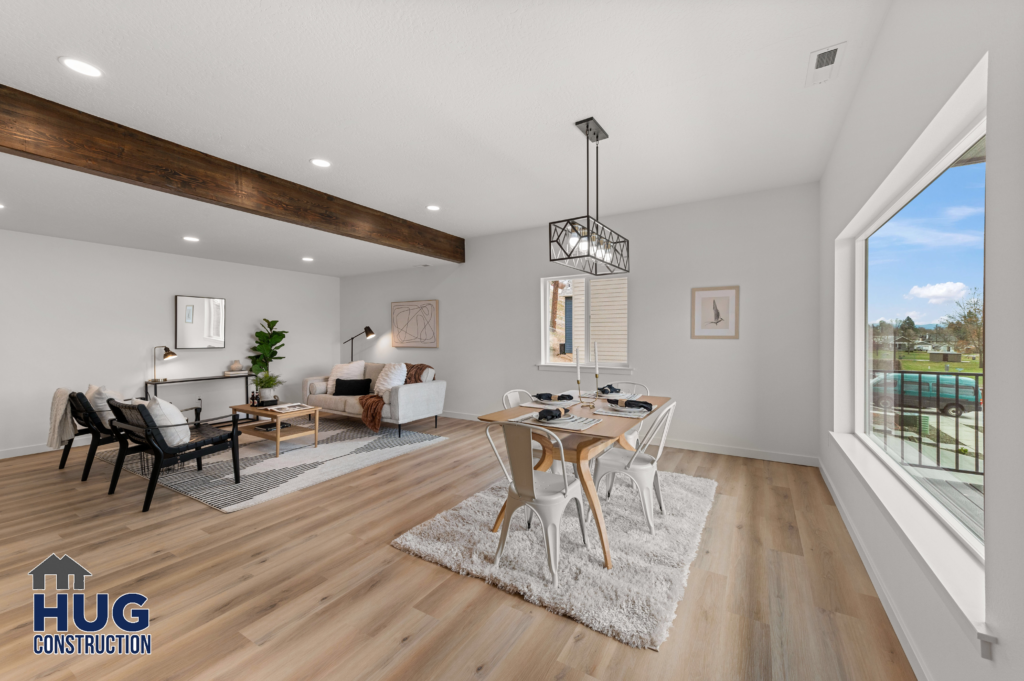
(266,382)
(268,341)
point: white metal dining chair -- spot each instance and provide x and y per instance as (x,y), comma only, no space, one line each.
(516,397)
(639,466)
(544,493)
(629,387)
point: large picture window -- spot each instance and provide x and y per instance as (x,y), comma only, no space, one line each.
(925,364)
(580,312)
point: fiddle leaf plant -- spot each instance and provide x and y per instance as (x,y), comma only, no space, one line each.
(269,339)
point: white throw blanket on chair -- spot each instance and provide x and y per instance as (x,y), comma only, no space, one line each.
(62,426)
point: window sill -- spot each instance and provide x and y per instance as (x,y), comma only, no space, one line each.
(954,563)
(586,370)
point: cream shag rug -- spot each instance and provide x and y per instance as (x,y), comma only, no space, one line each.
(634,602)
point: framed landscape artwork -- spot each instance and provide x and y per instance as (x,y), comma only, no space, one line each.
(414,324)
(715,312)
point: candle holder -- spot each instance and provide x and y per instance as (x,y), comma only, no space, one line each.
(583,404)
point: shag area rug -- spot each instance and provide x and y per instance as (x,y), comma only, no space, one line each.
(344,447)
(634,602)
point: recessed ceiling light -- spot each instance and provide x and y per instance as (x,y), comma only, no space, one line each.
(433,207)
(1,205)
(191,238)
(320,163)
(307,259)
(81,67)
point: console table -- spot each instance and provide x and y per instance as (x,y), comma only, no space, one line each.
(157,384)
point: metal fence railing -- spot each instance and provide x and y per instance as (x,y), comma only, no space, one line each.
(930,419)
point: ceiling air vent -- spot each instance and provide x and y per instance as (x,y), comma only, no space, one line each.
(823,65)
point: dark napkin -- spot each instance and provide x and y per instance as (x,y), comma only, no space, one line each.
(547,396)
(608,390)
(551,414)
(633,404)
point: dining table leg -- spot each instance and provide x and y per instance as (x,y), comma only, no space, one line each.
(587,481)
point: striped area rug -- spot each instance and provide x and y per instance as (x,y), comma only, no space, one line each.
(345,446)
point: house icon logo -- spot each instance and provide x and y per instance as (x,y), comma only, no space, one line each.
(62,569)
(72,632)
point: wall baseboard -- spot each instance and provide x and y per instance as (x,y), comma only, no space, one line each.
(913,656)
(37,449)
(781,457)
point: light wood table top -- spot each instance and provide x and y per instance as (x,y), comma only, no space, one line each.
(579,448)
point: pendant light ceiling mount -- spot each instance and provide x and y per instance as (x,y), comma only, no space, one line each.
(585,243)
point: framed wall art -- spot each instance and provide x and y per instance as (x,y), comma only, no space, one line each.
(414,324)
(715,312)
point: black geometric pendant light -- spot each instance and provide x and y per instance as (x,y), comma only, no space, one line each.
(584,243)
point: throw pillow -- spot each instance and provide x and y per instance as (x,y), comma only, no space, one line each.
(164,413)
(97,396)
(358,387)
(391,376)
(348,372)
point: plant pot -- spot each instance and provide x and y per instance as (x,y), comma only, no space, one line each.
(266,394)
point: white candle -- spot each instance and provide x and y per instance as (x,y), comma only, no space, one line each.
(576,351)
(597,369)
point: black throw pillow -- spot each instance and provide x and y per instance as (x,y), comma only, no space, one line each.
(357,387)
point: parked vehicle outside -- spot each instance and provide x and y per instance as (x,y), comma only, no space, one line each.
(956,394)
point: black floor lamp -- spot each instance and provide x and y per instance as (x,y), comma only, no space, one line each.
(369,334)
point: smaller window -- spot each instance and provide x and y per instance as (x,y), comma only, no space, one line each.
(580,312)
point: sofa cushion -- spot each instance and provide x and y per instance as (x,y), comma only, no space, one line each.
(372,371)
(392,376)
(342,404)
(359,386)
(347,372)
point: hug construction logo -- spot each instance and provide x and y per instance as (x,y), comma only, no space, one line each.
(87,640)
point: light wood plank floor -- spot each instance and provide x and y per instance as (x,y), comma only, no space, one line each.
(307,586)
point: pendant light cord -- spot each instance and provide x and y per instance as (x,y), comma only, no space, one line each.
(597,181)
(587,142)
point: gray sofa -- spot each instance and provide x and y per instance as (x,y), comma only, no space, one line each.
(403,404)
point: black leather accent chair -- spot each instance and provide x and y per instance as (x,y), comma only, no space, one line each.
(136,432)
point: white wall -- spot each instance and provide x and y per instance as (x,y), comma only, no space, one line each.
(924,52)
(744,397)
(76,313)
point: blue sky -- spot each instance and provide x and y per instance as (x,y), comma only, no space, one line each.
(931,253)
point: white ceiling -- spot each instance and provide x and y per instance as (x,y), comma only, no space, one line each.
(468,105)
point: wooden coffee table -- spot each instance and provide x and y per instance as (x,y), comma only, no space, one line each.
(276,435)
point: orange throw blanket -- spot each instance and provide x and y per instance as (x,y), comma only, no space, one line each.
(373,405)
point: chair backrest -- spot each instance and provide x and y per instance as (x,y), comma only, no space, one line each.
(661,423)
(86,416)
(137,415)
(519,448)
(513,398)
(629,387)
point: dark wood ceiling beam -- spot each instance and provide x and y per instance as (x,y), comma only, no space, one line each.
(45,131)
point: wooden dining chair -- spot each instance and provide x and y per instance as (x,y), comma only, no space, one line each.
(639,466)
(544,493)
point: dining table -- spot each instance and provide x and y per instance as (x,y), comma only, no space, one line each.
(580,447)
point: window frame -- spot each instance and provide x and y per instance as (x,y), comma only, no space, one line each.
(966,139)
(586,360)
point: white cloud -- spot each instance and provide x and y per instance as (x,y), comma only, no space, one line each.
(911,234)
(955,213)
(939,293)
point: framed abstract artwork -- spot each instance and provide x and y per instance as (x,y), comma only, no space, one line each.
(715,312)
(414,324)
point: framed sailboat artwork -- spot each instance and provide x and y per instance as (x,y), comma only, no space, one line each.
(715,312)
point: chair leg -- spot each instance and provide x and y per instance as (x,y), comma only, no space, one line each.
(509,511)
(199,463)
(399,430)
(154,476)
(551,542)
(90,456)
(657,492)
(234,455)
(647,502)
(583,524)
(435,422)
(67,450)
(122,452)
(612,484)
